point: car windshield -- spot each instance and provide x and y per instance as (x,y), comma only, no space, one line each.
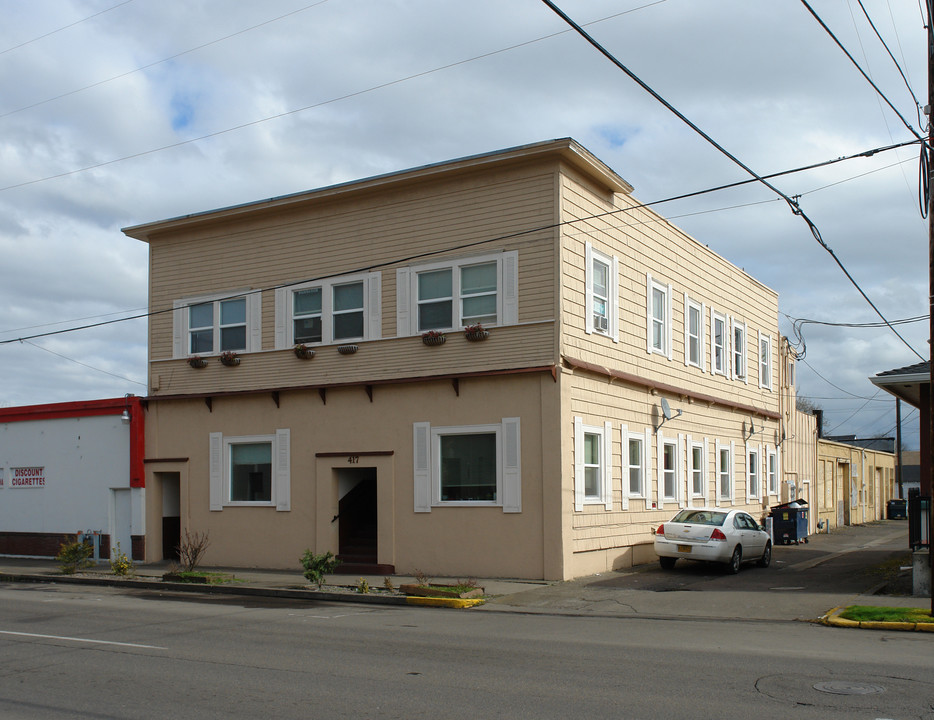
(700,517)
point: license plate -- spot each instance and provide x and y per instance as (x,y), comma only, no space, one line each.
(684,548)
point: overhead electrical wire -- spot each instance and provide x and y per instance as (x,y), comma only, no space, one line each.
(792,203)
(65,27)
(85,365)
(609,213)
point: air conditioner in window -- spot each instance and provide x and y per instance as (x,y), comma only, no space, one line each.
(600,323)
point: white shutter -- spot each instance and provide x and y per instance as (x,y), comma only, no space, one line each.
(648,313)
(422,466)
(680,478)
(512,466)
(588,290)
(614,299)
(608,465)
(647,468)
(624,466)
(717,468)
(660,467)
(374,310)
(510,287)
(728,346)
(283,312)
(403,291)
(689,471)
(687,332)
(179,329)
(254,315)
(732,472)
(216,471)
(702,356)
(669,329)
(283,472)
(713,342)
(748,473)
(706,480)
(578,464)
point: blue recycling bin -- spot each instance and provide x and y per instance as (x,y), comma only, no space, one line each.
(790,522)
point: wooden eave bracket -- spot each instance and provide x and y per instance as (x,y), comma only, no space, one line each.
(209,401)
(324,395)
(275,397)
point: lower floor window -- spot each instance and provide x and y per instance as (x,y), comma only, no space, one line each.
(251,472)
(697,470)
(724,473)
(670,470)
(468,467)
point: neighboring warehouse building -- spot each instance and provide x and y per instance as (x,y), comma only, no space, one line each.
(68,468)
(539,448)
(854,484)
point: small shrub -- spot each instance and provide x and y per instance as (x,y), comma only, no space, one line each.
(387,583)
(317,566)
(421,578)
(74,556)
(192,548)
(120,564)
(363,587)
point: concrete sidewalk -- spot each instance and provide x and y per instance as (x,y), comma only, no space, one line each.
(803,583)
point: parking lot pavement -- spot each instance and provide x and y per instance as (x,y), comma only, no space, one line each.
(846,567)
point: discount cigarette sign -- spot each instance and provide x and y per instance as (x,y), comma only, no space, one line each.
(27,477)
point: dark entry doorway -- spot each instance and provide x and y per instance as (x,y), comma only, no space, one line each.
(171,514)
(357,518)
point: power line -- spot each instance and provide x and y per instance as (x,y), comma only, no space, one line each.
(609,213)
(65,27)
(792,203)
(85,365)
(861,71)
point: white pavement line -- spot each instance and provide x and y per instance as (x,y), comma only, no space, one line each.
(83,640)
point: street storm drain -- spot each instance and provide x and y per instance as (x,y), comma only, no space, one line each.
(841,687)
(890,696)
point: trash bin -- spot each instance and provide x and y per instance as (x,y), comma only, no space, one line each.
(897,509)
(790,522)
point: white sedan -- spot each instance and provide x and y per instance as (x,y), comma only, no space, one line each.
(713,535)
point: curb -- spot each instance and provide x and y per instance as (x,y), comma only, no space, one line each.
(832,618)
(287,593)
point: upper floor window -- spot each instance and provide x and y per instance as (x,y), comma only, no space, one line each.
(338,310)
(658,319)
(214,324)
(765,361)
(719,344)
(739,350)
(602,301)
(453,294)
(693,333)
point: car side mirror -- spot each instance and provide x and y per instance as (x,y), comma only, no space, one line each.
(762,528)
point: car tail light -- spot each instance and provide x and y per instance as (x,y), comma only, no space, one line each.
(660,530)
(717,534)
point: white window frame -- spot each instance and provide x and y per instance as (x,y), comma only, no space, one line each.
(219,470)
(372,324)
(605,496)
(727,359)
(507,307)
(772,469)
(694,472)
(677,471)
(427,465)
(181,340)
(740,355)
(753,472)
(729,472)
(611,263)
(691,305)
(765,360)
(645,443)
(666,333)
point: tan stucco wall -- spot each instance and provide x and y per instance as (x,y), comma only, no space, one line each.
(448,540)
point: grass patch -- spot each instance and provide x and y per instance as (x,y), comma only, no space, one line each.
(202,576)
(872,613)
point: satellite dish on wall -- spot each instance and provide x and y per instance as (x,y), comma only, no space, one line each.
(666,409)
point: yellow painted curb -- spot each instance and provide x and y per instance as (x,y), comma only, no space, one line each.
(832,617)
(459,603)
(879,625)
(925,627)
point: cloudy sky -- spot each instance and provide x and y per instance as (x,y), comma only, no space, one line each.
(120,112)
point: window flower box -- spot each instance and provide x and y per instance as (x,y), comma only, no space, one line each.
(476,333)
(434,337)
(197,362)
(303,352)
(230,359)
(347,349)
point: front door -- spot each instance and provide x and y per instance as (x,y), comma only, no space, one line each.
(357,516)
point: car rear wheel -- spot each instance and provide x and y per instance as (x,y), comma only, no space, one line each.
(766,558)
(667,563)
(735,560)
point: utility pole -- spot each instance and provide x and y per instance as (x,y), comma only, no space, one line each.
(930,207)
(898,447)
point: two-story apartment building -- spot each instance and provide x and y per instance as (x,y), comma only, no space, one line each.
(540,450)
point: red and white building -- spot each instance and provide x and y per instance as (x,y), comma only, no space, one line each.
(68,468)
